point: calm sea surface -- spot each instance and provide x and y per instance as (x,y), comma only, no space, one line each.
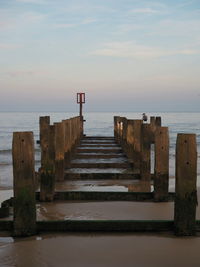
(96,124)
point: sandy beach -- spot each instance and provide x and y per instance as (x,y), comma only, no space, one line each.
(100,249)
(92,249)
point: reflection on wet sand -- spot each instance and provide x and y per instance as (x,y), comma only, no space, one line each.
(94,249)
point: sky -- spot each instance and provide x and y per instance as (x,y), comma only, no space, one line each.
(126,55)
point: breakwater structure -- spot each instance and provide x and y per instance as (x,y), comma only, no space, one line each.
(68,155)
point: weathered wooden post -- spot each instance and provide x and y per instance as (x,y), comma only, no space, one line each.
(186,191)
(77,131)
(67,150)
(124,134)
(161,167)
(130,141)
(118,129)
(73,136)
(44,131)
(115,127)
(153,128)
(158,121)
(24,184)
(152,120)
(47,172)
(145,164)
(59,151)
(134,142)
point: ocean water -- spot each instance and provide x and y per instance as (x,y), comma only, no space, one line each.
(97,123)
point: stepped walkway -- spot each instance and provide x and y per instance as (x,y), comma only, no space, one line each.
(99,157)
(80,179)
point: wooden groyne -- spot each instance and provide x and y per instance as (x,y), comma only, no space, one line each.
(58,143)
(66,154)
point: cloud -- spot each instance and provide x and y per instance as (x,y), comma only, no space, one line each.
(88,21)
(172,27)
(9,46)
(129,27)
(72,25)
(65,25)
(146,10)
(40,2)
(132,50)
(33,17)
(19,73)
(189,52)
(10,20)
(5,24)
(187,3)
(126,50)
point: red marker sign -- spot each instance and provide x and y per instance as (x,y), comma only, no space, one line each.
(80,98)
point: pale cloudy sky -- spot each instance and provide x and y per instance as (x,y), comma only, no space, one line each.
(127,55)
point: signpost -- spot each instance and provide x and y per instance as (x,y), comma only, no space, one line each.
(81,101)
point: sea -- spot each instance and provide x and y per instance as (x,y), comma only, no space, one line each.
(97,124)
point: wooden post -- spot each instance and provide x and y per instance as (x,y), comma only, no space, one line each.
(134,142)
(153,129)
(77,131)
(186,191)
(44,131)
(130,141)
(158,121)
(67,155)
(24,184)
(161,177)
(118,130)
(145,164)
(115,127)
(59,151)
(47,172)
(73,136)
(152,120)
(124,134)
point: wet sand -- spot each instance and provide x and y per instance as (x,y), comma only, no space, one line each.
(106,210)
(94,249)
